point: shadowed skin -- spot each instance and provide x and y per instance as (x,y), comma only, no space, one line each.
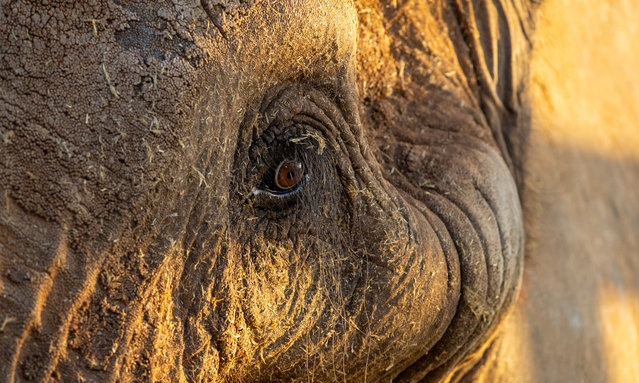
(140,237)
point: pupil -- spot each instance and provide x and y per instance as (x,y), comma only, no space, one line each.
(290,174)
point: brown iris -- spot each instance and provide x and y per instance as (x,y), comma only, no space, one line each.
(288,174)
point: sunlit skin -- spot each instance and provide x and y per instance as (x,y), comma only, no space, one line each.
(319,190)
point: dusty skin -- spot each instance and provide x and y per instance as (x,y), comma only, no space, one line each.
(458,202)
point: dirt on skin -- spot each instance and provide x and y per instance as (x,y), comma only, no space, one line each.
(106,141)
(87,133)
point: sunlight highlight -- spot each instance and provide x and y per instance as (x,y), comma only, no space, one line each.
(618,314)
(585,91)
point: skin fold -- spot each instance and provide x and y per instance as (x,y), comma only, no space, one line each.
(143,236)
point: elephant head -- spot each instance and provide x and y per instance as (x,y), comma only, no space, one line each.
(253,190)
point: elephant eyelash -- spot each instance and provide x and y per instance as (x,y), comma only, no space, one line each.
(281,193)
(265,196)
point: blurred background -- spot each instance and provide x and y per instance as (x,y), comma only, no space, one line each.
(583,258)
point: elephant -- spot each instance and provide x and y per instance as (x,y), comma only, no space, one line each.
(291,190)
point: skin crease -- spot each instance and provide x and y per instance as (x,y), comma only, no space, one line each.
(136,242)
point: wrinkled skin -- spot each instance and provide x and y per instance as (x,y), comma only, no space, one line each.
(138,236)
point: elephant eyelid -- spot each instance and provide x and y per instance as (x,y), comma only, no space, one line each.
(264,198)
(261,190)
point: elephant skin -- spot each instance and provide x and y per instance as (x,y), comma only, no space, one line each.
(148,234)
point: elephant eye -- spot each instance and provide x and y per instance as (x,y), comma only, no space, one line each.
(285,179)
(286,162)
(288,175)
(281,184)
